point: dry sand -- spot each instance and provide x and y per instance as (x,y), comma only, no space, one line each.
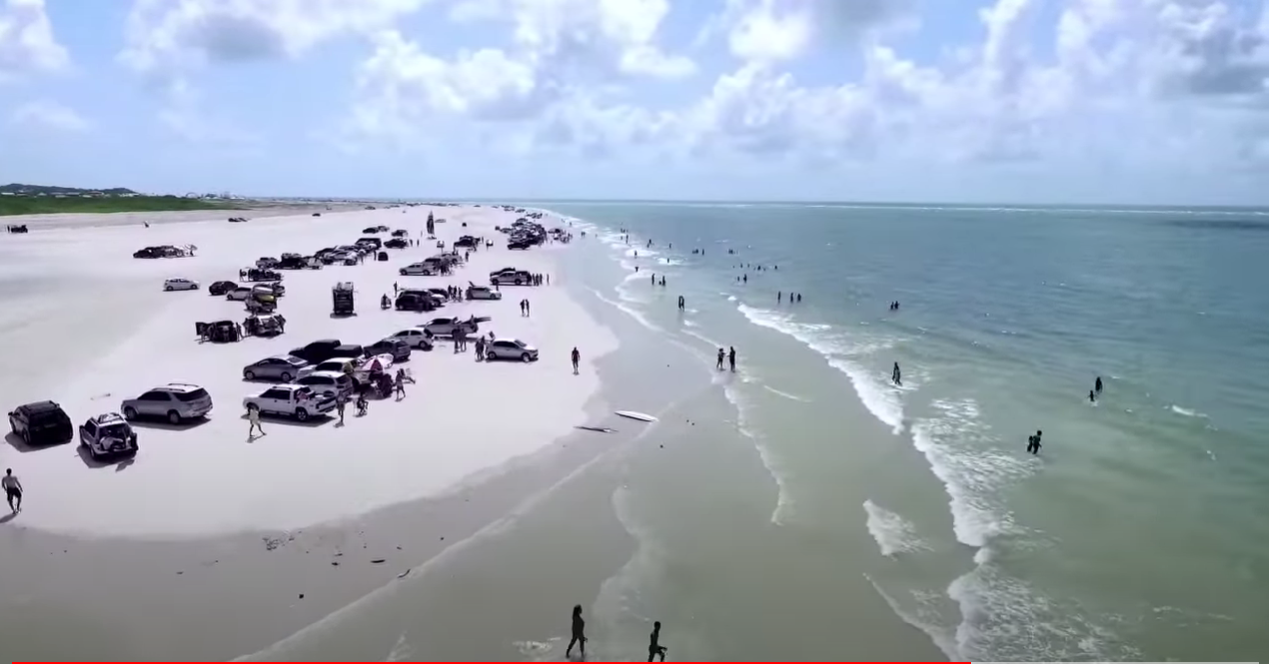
(260,538)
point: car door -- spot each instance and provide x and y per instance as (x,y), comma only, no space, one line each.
(153,403)
(273,367)
(274,401)
(90,430)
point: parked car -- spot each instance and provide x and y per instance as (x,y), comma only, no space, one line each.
(276,289)
(221,287)
(519,244)
(338,364)
(108,437)
(400,232)
(399,349)
(510,276)
(396,243)
(178,283)
(41,423)
(510,349)
(266,262)
(415,301)
(475,292)
(440,294)
(297,401)
(175,402)
(318,351)
(416,337)
(277,368)
(445,327)
(424,268)
(238,293)
(328,383)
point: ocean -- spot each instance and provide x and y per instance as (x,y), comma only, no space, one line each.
(1139,531)
(806,507)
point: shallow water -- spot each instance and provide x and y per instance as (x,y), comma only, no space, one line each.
(1136,533)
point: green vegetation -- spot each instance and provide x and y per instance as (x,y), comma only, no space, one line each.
(11,205)
(18,199)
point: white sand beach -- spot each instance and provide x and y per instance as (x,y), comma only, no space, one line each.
(105,331)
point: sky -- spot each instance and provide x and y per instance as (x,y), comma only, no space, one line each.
(1021,101)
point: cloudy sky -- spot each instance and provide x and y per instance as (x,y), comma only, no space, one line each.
(1135,101)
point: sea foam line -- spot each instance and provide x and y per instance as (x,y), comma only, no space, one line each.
(880,399)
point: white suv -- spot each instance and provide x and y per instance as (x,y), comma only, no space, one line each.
(177,283)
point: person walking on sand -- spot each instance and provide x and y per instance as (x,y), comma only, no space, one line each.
(579,633)
(341,404)
(12,490)
(253,416)
(399,385)
(655,649)
(721,355)
(527,311)
(577,358)
(731,357)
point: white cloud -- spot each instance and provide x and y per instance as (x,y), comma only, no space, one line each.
(44,114)
(172,34)
(27,43)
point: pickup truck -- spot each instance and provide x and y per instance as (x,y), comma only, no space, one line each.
(108,437)
(297,401)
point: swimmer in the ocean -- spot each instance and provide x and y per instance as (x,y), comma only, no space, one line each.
(1097,387)
(1092,398)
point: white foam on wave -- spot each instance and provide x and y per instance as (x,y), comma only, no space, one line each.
(766,453)
(878,396)
(962,453)
(786,395)
(638,316)
(925,619)
(893,533)
(1186,412)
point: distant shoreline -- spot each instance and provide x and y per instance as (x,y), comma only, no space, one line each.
(17,206)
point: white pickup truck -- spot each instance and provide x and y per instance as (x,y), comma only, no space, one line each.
(297,401)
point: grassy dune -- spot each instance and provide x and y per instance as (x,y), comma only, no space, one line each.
(15,205)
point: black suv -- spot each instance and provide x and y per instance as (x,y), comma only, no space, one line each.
(415,301)
(41,423)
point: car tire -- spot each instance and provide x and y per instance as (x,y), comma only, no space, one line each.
(286,377)
(167,288)
(524,357)
(301,414)
(248,375)
(173,417)
(26,437)
(129,413)
(491,356)
(518,282)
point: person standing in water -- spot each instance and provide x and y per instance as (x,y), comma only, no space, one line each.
(1097,386)
(896,375)
(1092,398)
(579,633)
(779,297)
(731,357)
(721,355)
(577,359)
(682,303)
(655,649)
(1033,442)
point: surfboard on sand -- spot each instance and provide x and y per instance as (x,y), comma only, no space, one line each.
(596,429)
(636,415)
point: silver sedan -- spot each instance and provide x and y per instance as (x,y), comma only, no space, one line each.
(282,368)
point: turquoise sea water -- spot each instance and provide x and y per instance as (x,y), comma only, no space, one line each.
(1139,532)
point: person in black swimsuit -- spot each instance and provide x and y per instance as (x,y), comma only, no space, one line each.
(579,633)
